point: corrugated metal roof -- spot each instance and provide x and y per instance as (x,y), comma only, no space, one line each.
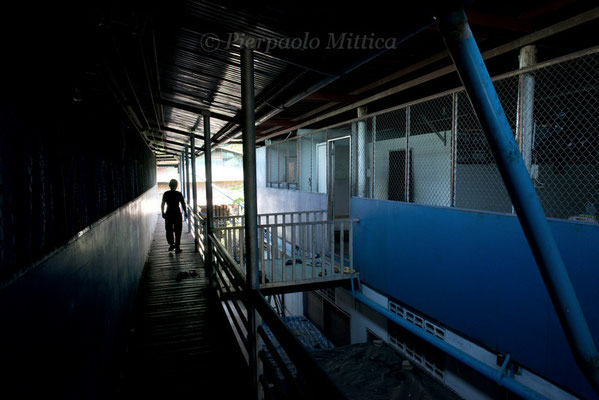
(191,64)
(173,61)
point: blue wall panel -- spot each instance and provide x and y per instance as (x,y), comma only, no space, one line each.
(475,273)
(63,322)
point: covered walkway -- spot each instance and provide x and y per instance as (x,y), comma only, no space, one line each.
(180,345)
(99,94)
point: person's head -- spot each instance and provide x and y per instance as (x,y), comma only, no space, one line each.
(173,184)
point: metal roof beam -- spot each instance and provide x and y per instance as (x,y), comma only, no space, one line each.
(165,151)
(176,131)
(195,110)
(158,139)
(164,147)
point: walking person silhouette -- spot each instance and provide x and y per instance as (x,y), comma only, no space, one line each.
(172,217)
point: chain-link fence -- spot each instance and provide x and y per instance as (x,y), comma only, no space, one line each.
(434,152)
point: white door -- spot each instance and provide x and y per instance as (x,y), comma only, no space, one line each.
(321,167)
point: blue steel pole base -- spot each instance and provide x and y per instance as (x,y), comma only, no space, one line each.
(456,32)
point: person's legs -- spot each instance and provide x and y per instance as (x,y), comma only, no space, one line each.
(178,226)
(169,225)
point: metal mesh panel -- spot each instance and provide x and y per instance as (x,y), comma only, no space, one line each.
(305,163)
(565,152)
(291,164)
(430,148)
(282,156)
(390,142)
(434,151)
(272,164)
(362,139)
(478,183)
(339,131)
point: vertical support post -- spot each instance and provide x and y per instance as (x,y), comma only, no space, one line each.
(454,147)
(407,160)
(293,255)
(313,250)
(373,164)
(183,177)
(470,66)
(361,152)
(298,168)
(180,171)
(354,172)
(526,90)
(209,202)
(341,247)
(194,191)
(251,207)
(312,177)
(331,212)
(262,254)
(283,248)
(188,189)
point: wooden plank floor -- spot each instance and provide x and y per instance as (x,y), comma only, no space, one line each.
(181,346)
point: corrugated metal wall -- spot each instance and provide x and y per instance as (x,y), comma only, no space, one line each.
(62,168)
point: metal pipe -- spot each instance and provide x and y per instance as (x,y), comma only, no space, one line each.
(209,203)
(526,90)
(194,191)
(475,77)
(181,174)
(250,202)
(249,165)
(506,380)
(454,147)
(188,189)
(407,157)
(361,148)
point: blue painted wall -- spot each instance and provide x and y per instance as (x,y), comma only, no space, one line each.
(64,321)
(475,273)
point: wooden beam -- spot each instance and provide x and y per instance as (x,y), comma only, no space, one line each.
(318,110)
(545,9)
(498,21)
(324,96)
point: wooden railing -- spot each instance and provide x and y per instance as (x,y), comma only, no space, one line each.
(303,377)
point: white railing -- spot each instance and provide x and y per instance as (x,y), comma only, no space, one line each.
(294,216)
(310,250)
(272,218)
(233,240)
(293,246)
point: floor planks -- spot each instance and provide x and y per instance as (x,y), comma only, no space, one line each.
(181,345)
